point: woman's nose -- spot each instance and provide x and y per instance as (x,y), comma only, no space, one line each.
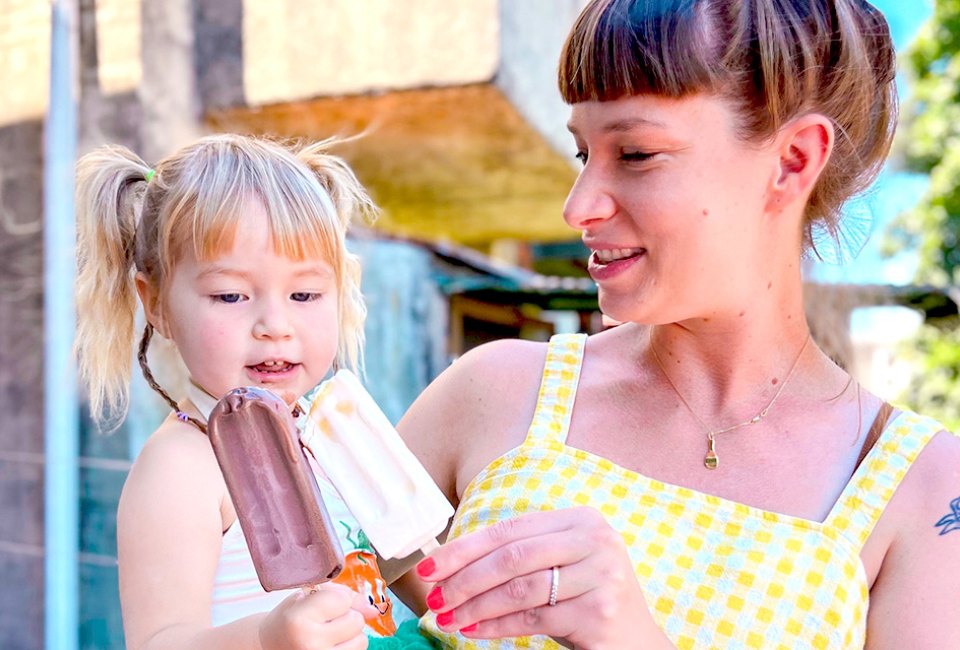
(589,201)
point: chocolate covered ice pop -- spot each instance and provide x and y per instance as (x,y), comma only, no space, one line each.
(290,536)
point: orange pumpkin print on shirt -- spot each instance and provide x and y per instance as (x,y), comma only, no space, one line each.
(362,574)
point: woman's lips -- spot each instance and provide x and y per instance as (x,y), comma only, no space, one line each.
(605,270)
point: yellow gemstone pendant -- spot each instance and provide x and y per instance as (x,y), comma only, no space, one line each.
(711,460)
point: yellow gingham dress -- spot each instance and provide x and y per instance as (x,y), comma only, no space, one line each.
(715,573)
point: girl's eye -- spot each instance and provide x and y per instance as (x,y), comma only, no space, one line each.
(582,157)
(228,298)
(304,296)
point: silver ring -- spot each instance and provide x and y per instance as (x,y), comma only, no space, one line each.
(554,586)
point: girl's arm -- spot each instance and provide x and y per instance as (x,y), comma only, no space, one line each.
(914,602)
(170,524)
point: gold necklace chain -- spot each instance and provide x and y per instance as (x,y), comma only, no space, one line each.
(712,460)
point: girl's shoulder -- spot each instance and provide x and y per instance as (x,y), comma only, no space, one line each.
(176,465)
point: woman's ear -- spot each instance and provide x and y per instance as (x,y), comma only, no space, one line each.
(804,145)
(150,299)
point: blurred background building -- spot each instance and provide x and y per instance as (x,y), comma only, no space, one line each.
(463,143)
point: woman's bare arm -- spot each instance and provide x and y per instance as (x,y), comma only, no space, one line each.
(914,602)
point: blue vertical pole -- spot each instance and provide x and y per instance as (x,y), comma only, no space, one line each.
(60,414)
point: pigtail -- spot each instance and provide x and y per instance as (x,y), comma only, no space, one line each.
(350,198)
(110,185)
(351,201)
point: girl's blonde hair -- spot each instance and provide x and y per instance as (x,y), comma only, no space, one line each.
(772,59)
(131,218)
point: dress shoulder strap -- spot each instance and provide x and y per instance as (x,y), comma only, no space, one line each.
(558,389)
(877,477)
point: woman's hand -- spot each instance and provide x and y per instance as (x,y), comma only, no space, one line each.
(497,582)
(329,617)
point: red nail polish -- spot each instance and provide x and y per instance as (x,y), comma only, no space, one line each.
(426,567)
(435,598)
(445,619)
(469,628)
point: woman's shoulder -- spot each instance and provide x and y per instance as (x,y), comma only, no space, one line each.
(477,408)
(928,455)
(490,372)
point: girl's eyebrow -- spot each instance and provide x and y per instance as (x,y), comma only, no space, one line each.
(321,271)
(219,269)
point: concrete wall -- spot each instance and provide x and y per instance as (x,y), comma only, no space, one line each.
(531,35)
(21,386)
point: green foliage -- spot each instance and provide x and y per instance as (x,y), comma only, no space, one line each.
(930,143)
(935,390)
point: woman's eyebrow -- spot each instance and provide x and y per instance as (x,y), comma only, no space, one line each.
(624,125)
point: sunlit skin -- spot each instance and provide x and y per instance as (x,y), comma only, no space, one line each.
(670,182)
(252,316)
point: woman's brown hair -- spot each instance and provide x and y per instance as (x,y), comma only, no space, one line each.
(772,59)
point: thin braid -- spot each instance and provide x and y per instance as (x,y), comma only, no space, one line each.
(142,358)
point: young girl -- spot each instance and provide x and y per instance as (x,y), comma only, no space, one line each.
(235,247)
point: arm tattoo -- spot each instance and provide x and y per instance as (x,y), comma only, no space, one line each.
(951,522)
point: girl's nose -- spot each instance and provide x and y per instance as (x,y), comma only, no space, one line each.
(589,201)
(273,323)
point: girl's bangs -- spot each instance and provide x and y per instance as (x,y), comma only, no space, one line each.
(301,217)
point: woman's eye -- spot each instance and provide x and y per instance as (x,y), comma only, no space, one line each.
(636,156)
(582,157)
(228,298)
(304,296)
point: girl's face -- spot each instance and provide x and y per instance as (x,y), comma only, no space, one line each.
(672,206)
(253,317)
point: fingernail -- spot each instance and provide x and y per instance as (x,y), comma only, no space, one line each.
(469,628)
(445,619)
(426,567)
(435,598)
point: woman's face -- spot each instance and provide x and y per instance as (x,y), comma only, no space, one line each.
(673,206)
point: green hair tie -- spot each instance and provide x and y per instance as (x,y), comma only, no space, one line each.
(150,175)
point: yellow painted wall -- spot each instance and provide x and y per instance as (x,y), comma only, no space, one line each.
(24,59)
(294,49)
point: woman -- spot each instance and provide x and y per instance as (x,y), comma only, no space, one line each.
(716,451)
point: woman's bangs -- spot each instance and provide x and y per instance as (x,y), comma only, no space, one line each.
(623,47)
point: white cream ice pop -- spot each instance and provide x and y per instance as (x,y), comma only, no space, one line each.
(291,538)
(386,488)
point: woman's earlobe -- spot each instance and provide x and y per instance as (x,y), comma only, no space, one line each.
(805,150)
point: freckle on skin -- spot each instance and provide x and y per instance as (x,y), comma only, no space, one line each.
(775,381)
(769,285)
(706,212)
(742,314)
